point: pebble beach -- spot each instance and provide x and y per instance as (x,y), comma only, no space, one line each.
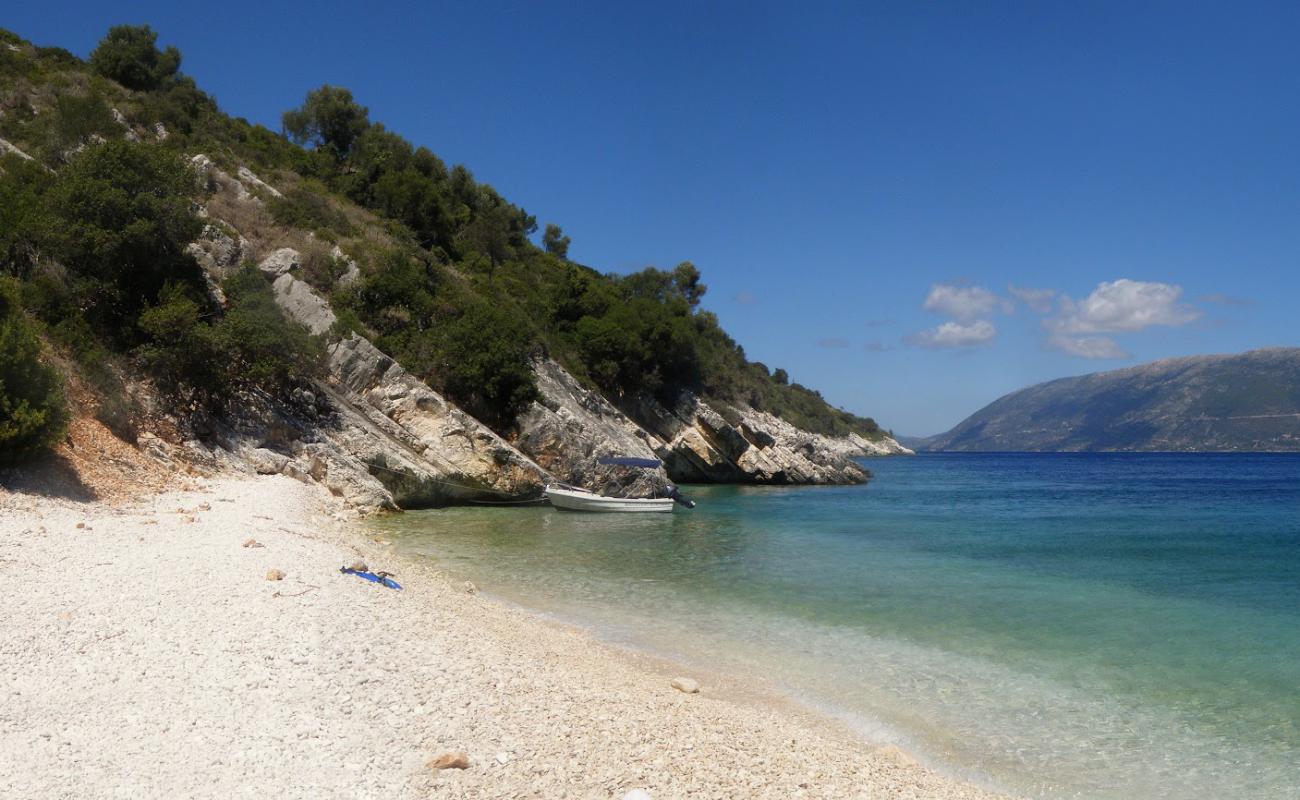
(149,651)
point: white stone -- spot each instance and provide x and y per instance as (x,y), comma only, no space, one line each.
(281,262)
(246,175)
(687,685)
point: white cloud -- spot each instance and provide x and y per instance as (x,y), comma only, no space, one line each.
(1123,305)
(1119,306)
(1039,300)
(955,334)
(1087,346)
(963,302)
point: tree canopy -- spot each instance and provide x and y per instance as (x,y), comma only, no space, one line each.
(329,119)
(119,215)
(130,56)
(555,242)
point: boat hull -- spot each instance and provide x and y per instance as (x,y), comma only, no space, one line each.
(571,500)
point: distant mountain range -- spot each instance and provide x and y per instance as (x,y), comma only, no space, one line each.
(1218,403)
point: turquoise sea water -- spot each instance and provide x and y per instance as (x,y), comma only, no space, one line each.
(1108,626)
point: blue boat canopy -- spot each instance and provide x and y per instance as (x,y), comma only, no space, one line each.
(624,461)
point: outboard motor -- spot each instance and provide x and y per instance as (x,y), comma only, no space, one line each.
(678,498)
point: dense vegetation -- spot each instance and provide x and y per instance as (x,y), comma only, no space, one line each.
(92,247)
(32,413)
(452,286)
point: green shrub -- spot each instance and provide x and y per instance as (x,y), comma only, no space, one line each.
(263,346)
(22,215)
(179,105)
(308,207)
(77,118)
(252,346)
(483,364)
(182,350)
(33,414)
(129,55)
(120,218)
(58,57)
(322,270)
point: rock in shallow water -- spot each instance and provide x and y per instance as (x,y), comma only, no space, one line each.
(687,685)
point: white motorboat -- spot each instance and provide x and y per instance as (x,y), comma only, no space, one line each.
(573,498)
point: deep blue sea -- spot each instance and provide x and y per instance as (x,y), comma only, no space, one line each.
(1064,625)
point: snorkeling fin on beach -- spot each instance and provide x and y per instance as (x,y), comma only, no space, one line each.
(381,578)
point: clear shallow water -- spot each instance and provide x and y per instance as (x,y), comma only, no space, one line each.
(1110,626)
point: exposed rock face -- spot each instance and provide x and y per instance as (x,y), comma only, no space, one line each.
(213,178)
(218,252)
(7,147)
(570,427)
(303,304)
(381,438)
(248,178)
(423,449)
(352,274)
(281,262)
(700,445)
(818,446)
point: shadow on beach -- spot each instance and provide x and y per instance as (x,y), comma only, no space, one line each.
(52,475)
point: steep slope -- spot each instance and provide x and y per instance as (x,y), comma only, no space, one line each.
(453,359)
(1219,403)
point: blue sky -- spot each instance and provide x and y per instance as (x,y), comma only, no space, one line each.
(870,190)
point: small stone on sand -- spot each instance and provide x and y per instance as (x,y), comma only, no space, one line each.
(688,685)
(252,543)
(275,575)
(450,760)
(893,753)
(358,566)
(502,757)
(637,794)
(469,587)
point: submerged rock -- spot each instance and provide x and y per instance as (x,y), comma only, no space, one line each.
(687,685)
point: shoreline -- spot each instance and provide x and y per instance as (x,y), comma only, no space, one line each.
(149,654)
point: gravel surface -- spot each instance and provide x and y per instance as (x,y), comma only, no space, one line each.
(145,653)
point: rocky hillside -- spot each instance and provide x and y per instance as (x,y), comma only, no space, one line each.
(1219,403)
(237,300)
